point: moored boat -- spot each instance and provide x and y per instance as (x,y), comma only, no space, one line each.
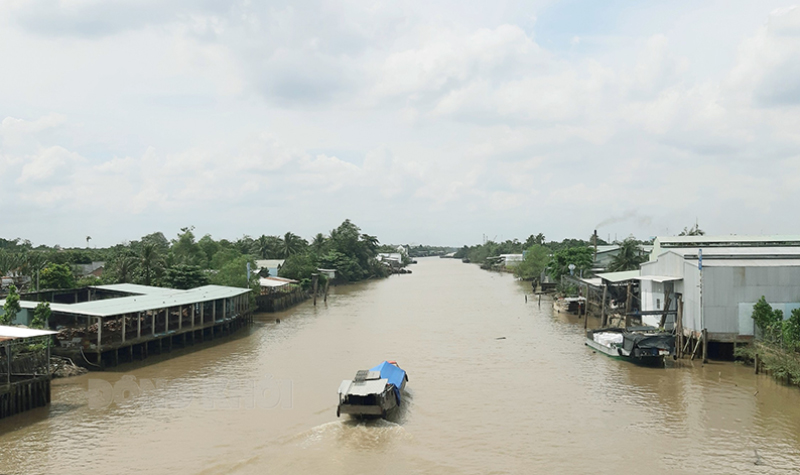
(642,345)
(373,392)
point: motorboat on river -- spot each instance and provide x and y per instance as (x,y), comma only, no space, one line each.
(373,392)
(642,345)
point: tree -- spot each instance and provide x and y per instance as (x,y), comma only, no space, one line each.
(581,256)
(11,308)
(766,319)
(318,241)
(88,238)
(535,262)
(630,256)
(292,244)
(791,330)
(693,231)
(234,273)
(151,263)
(184,276)
(538,239)
(185,249)
(57,276)
(41,315)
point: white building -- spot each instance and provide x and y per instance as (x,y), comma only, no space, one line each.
(735,274)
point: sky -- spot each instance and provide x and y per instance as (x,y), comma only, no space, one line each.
(435,122)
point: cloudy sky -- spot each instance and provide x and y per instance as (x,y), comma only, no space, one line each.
(422,121)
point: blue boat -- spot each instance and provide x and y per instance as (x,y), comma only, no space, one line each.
(373,392)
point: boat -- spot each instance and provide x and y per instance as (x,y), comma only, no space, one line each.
(373,392)
(642,345)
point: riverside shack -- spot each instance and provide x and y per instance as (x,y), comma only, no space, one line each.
(24,369)
(104,325)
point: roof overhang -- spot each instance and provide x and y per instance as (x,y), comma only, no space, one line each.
(658,278)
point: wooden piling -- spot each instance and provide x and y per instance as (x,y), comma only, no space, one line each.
(679,326)
(603,307)
(705,345)
(314,282)
(628,307)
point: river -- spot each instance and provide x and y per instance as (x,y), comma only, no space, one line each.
(496,385)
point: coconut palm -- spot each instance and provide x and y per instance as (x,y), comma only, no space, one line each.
(629,257)
(292,244)
(150,262)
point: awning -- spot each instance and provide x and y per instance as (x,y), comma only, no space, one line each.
(10,333)
(658,278)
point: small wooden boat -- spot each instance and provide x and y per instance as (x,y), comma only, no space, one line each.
(642,345)
(373,392)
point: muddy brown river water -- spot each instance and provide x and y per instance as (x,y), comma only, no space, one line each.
(536,401)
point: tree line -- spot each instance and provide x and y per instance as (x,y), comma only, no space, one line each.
(554,257)
(187,262)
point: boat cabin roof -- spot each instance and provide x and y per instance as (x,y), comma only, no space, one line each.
(363,388)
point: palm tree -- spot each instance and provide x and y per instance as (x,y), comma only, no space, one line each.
(88,238)
(150,262)
(371,243)
(263,246)
(629,257)
(319,241)
(292,244)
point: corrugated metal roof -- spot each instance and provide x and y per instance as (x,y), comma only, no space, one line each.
(777,238)
(10,333)
(750,262)
(136,289)
(155,298)
(615,277)
(721,253)
(658,278)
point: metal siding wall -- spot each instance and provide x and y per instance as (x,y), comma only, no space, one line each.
(720,307)
(726,288)
(691,297)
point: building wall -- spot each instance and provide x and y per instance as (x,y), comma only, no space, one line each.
(729,294)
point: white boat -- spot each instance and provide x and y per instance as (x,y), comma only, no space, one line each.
(642,345)
(373,392)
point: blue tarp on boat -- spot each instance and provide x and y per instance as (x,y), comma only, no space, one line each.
(394,374)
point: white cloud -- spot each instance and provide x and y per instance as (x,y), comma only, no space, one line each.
(233,114)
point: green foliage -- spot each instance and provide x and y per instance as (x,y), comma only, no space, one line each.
(767,320)
(57,276)
(298,267)
(582,257)
(791,330)
(539,239)
(630,256)
(224,256)
(11,307)
(184,276)
(185,250)
(41,315)
(536,260)
(88,281)
(234,273)
(693,231)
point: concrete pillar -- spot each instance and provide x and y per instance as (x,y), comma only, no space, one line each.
(124,326)
(139,325)
(99,333)
(180,317)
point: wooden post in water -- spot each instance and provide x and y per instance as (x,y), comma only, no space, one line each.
(314,282)
(603,307)
(666,309)
(756,363)
(628,307)
(705,345)
(327,284)
(679,327)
